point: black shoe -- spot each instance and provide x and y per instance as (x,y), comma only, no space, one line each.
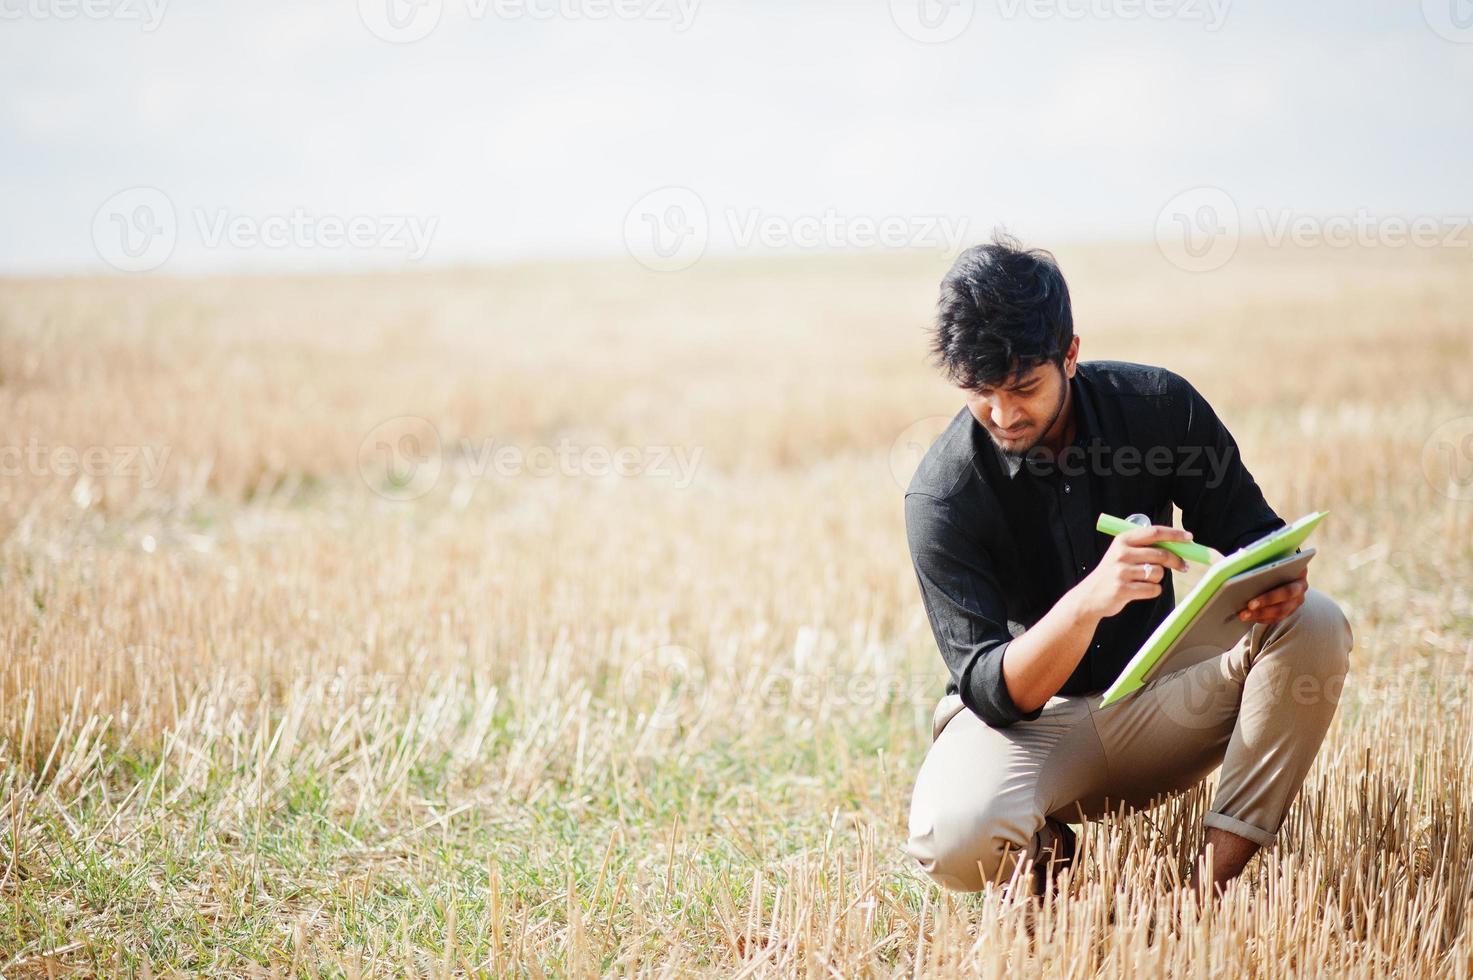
(1057,846)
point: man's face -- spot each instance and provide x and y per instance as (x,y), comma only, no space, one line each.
(1019,411)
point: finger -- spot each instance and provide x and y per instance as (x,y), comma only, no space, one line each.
(1144,573)
(1267,619)
(1284,593)
(1153,556)
(1141,556)
(1270,598)
(1155,533)
(1270,614)
(1262,604)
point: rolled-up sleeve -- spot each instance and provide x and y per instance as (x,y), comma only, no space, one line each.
(1220,501)
(965,605)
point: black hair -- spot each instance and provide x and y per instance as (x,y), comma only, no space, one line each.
(1003,311)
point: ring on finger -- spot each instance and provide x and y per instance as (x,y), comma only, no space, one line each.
(1146,574)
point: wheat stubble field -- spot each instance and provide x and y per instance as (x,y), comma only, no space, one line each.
(607,657)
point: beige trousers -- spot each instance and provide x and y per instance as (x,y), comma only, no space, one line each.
(1260,710)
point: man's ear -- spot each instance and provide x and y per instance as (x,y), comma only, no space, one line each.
(1071,357)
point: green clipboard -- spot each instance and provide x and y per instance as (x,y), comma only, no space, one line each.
(1277,545)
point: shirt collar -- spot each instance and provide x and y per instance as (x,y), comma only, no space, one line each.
(1086,427)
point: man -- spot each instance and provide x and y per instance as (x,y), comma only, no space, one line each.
(1036,613)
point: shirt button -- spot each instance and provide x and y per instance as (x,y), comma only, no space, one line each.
(1066,488)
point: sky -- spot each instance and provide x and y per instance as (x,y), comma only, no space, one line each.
(175,137)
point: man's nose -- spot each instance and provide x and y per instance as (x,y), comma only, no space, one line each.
(1005,416)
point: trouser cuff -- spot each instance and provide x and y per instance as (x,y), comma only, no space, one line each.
(1235,826)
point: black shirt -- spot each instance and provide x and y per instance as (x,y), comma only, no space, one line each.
(996,540)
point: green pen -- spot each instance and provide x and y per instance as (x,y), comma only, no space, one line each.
(1189,550)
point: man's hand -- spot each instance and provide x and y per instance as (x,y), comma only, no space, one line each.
(1131,569)
(1276,604)
(1037,664)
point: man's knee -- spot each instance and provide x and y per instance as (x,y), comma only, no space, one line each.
(1327,630)
(1318,639)
(964,848)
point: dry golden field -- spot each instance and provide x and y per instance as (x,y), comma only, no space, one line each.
(558,620)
